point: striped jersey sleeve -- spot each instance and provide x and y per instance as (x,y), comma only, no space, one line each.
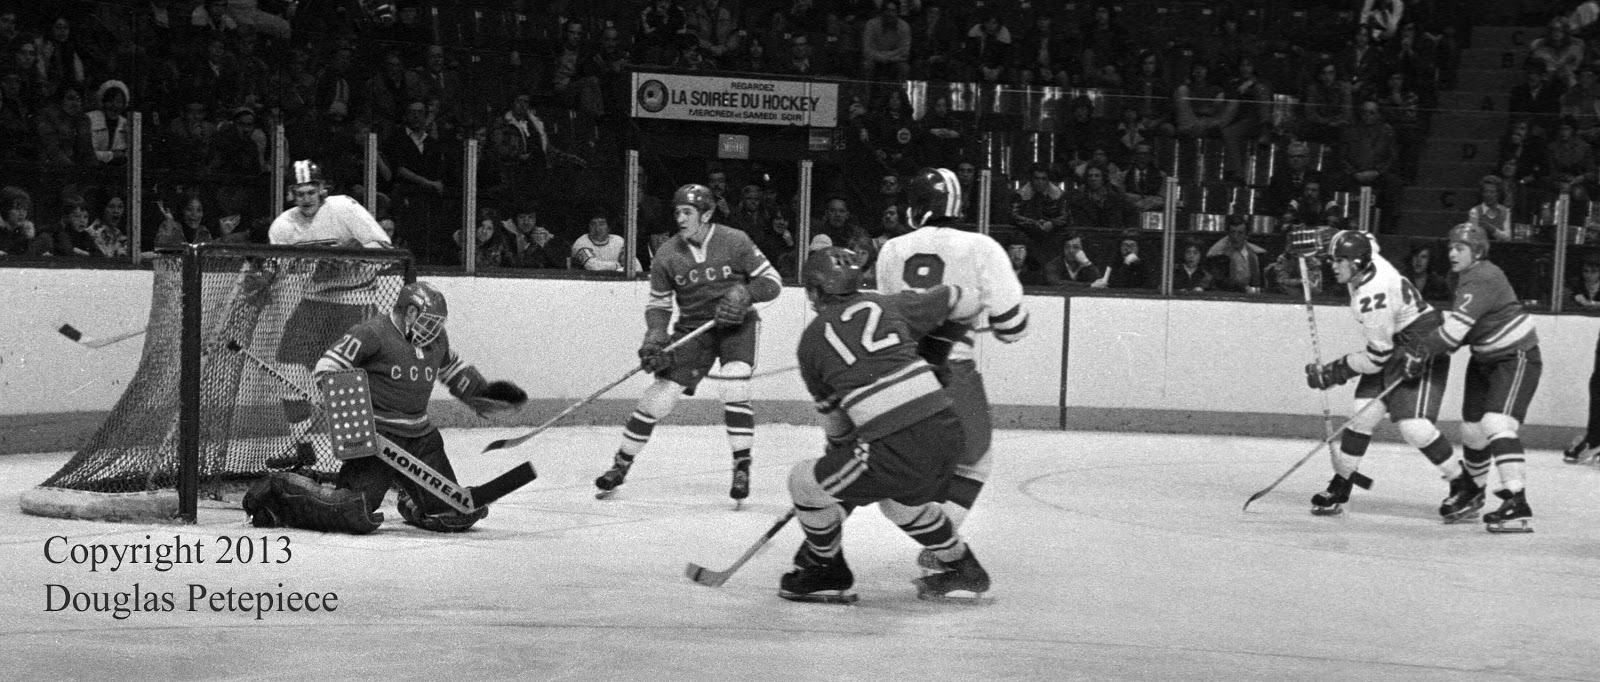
(1485,315)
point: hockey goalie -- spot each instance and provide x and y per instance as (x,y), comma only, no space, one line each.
(402,354)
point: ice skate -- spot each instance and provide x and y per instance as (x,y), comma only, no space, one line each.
(816,579)
(1581,452)
(1330,502)
(1465,499)
(1512,516)
(964,582)
(930,563)
(609,481)
(741,482)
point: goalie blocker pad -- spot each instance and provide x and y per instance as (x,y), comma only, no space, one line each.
(349,407)
(283,498)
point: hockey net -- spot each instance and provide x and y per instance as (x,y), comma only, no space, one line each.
(223,391)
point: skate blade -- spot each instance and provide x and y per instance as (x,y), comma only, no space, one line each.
(605,494)
(1335,510)
(1517,526)
(963,597)
(1462,516)
(839,597)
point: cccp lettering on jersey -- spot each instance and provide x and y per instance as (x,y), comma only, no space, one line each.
(707,274)
(415,373)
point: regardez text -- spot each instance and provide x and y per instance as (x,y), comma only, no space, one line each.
(221,555)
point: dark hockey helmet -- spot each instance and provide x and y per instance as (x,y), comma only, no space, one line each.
(698,196)
(1355,245)
(1473,236)
(305,172)
(431,312)
(931,195)
(832,270)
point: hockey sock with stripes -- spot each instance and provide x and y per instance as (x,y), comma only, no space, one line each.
(1441,454)
(634,437)
(1476,463)
(1352,447)
(822,526)
(740,421)
(1508,459)
(959,497)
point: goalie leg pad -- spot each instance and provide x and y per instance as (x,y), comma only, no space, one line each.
(444,522)
(288,499)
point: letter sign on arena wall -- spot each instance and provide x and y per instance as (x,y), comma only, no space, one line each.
(735,100)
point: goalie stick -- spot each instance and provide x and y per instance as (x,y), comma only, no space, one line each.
(465,499)
(1325,442)
(710,578)
(513,442)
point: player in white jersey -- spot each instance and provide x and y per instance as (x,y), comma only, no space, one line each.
(321,220)
(1393,317)
(933,253)
(335,299)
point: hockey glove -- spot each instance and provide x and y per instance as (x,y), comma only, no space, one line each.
(652,353)
(498,396)
(733,307)
(1327,376)
(1409,364)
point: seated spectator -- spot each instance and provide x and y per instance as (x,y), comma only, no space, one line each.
(1557,53)
(751,215)
(532,246)
(1429,281)
(1368,153)
(1152,90)
(1572,162)
(1130,271)
(191,139)
(988,47)
(1253,112)
(491,248)
(1362,62)
(61,58)
(389,89)
(1203,108)
(1528,150)
(57,128)
(1039,210)
(1072,267)
(711,24)
(777,243)
(886,44)
(801,60)
(242,147)
(1538,98)
(1490,214)
(1099,204)
(598,250)
(110,230)
(1310,208)
(1027,271)
(1239,261)
(662,28)
(106,135)
(1144,182)
(1046,52)
(1100,157)
(1326,107)
(17,119)
(73,238)
(842,228)
(1582,104)
(933,33)
(1103,40)
(1189,274)
(18,235)
(943,135)
(1584,291)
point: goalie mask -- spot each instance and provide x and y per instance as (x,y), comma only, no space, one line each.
(932,196)
(832,270)
(430,313)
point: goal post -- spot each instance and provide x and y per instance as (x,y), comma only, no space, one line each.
(197,418)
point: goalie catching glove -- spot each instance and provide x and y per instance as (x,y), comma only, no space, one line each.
(1327,376)
(733,307)
(498,396)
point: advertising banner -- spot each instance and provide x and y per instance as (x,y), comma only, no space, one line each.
(735,100)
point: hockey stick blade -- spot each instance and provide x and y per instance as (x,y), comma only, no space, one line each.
(503,484)
(710,578)
(513,442)
(77,336)
(1325,442)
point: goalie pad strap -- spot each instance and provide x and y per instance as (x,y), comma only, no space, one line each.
(288,499)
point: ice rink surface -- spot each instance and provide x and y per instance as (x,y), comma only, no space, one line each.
(1114,556)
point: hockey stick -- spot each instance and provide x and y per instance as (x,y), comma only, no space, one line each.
(72,333)
(465,499)
(710,578)
(513,442)
(757,375)
(1325,442)
(1316,351)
